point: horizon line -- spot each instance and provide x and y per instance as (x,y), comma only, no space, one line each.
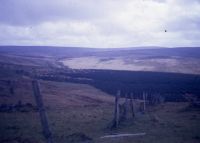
(132,47)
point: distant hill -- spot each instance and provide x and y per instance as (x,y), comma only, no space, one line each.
(131,70)
(79,51)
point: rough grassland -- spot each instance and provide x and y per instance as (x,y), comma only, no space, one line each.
(73,108)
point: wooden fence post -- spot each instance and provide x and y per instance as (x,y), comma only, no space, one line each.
(144,102)
(132,105)
(43,118)
(125,107)
(116,114)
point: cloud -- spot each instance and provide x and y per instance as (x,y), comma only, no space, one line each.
(105,23)
(24,12)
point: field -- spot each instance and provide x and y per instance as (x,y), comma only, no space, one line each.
(162,64)
(77,108)
(80,102)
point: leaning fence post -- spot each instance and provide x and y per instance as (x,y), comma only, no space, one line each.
(43,117)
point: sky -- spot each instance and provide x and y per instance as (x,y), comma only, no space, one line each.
(100,23)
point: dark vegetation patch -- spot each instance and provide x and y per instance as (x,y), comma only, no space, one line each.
(172,86)
(16,140)
(18,107)
(197,137)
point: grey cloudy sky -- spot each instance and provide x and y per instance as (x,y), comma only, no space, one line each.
(100,23)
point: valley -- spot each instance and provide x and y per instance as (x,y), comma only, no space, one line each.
(79,89)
